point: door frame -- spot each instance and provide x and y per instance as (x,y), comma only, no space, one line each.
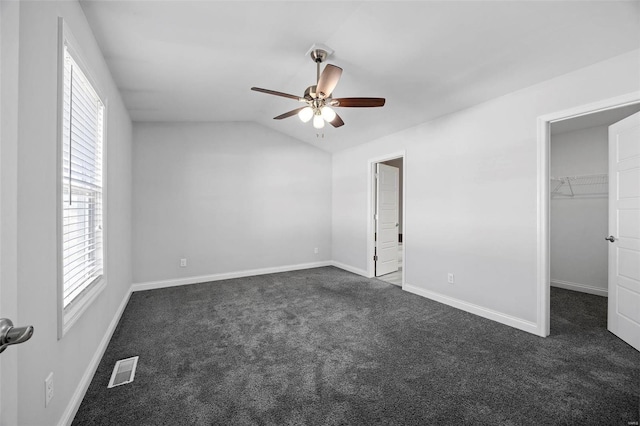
(543,216)
(371,209)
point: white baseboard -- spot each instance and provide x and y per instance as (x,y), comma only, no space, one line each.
(352,269)
(511,321)
(150,285)
(85,381)
(583,288)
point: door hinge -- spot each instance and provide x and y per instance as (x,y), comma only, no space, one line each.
(375,258)
(377,175)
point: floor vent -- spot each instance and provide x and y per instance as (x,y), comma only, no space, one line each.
(123,372)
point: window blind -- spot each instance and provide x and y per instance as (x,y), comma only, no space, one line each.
(82,140)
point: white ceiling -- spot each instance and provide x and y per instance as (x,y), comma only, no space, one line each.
(196,61)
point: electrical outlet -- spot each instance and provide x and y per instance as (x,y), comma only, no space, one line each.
(48,389)
(450,278)
(316,251)
(183,263)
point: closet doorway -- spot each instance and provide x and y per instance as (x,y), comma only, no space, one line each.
(580,213)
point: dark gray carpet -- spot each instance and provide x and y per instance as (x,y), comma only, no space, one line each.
(326,347)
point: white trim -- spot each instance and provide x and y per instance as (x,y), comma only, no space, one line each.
(603,105)
(543,268)
(59,119)
(371,208)
(150,285)
(500,317)
(73,314)
(351,269)
(66,317)
(78,55)
(583,288)
(85,381)
(543,141)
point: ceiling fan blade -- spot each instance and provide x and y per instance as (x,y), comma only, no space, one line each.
(328,80)
(289,114)
(273,92)
(358,102)
(337,122)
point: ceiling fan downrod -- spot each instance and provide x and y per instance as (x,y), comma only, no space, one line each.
(318,56)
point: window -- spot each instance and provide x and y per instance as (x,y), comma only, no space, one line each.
(81,191)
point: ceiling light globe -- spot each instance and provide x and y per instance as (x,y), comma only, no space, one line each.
(328,113)
(305,114)
(318,122)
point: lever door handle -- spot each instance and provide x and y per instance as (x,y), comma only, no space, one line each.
(610,238)
(10,335)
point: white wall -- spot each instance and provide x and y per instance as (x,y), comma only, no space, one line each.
(229,197)
(579,252)
(471,194)
(69,357)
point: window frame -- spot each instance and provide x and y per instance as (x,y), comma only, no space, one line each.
(70,315)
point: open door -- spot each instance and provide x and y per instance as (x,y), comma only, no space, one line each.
(624,230)
(9,32)
(387,187)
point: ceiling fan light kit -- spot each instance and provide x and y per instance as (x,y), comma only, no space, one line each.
(305,114)
(318,121)
(328,114)
(319,98)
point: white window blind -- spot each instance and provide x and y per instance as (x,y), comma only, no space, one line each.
(82,140)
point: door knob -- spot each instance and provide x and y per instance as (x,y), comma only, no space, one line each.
(610,238)
(10,335)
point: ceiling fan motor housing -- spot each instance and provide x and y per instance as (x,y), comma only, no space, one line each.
(310,93)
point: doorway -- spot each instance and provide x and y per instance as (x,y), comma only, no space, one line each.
(575,207)
(387,223)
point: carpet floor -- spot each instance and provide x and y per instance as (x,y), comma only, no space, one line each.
(327,347)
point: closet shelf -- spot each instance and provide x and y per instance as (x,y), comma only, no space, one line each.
(580,186)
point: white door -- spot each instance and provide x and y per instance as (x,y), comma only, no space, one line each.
(624,230)
(9,31)
(387,190)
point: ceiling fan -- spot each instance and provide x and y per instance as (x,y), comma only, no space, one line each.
(318,98)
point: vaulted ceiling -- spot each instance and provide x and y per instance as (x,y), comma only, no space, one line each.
(197,60)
